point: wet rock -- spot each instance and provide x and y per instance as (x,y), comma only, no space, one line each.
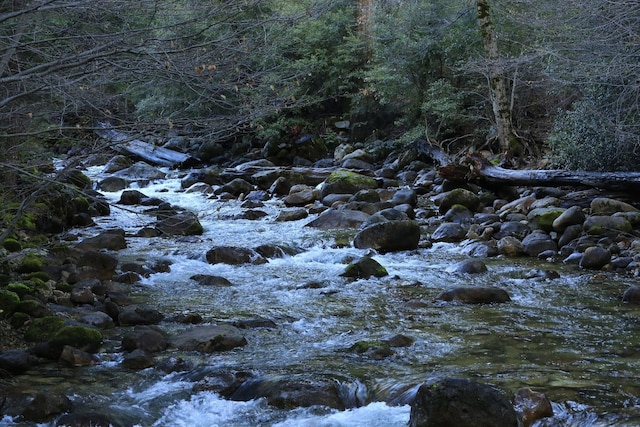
(606,206)
(630,296)
(374,349)
(449,232)
(185,223)
(512,228)
(289,393)
(333,218)
(573,258)
(277,251)
(117,163)
(237,187)
(113,183)
(200,187)
(141,171)
(209,176)
(570,233)
(300,195)
(454,402)
(16,361)
(144,338)
(45,405)
(595,257)
(209,280)
(82,295)
(482,249)
(234,255)
(356,164)
(389,236)
(470,266)
(110,239)
(131,197)
(459,196)
(542,274)
(368,195)
(256,322)
(139,315)
(251,214)
(83,419)
(399,340)
(364,268)
(292,214)
(531,406)
(475,295)
(405,196)
(138,359)
(75,357)
(571,216)
(209,339)
(538,241)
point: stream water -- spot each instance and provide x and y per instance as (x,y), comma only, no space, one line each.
(570,338)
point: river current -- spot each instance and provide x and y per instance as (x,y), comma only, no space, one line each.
(570,338)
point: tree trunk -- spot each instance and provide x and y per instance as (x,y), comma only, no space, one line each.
(498,89)
(480,171)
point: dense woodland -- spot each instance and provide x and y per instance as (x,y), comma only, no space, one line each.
(554,84)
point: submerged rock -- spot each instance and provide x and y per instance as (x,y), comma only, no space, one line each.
(234,255)
(475,295)
(209,339)
(364,268)
(389,236)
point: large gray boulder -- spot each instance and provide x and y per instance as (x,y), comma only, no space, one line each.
(334,218)
(209,338)
(234,255)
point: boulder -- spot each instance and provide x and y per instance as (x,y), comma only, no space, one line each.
(405,196)
(84,338)
(571,216)
(470,266)
(334,218)
(98,319)
(300,195)
(537,242)
(112,240)
(364,268)
(606,206)
(459,214)
(139,315)
(45,405)
(237,187)
(389,236)
(117,163)
(543,218)
(449,232)
(209,339)
(131,197)
(16,361)
(531,406)
(630,296)
(181,224)
(138,359)
(293,214)
(112,184)
(598,225)
(144,338)
(510,246)
(595,257)
(209,280)
(459,196)
(102,265)
(346,182)
(141,171)
(454,402)
(475,295)
(234,255)
(75,357)
(93,419)
(290,393)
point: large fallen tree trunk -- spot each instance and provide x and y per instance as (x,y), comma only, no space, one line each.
(151,153)
(478,170)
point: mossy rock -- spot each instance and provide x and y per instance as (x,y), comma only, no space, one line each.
(64,286)
(352,178)
(542,218)
(20,288)
(81,337)
(43,329)
(32,308)
(372,348)
(81,204)
(19,319)
(8,302)
(12,245)
(30,264)
(77,179)
(38,276)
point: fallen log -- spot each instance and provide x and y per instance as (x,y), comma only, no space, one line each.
(151,153)
(478,170)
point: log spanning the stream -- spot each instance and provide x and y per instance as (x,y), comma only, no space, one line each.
(477,169)
(151,153)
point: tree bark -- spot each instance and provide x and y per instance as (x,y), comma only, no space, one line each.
(478,170)
(498,88)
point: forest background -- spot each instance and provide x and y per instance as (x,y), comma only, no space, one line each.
(555,84)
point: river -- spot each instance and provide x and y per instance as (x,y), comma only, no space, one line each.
(570,338)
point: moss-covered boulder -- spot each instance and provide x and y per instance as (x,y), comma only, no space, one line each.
(43,329)
(364,268)
(346,182)
(372,348)
(8,302)
(20,288)
(81,337)
(602,224)
(31,263)
(12,245)
(543,218)
(459,196)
